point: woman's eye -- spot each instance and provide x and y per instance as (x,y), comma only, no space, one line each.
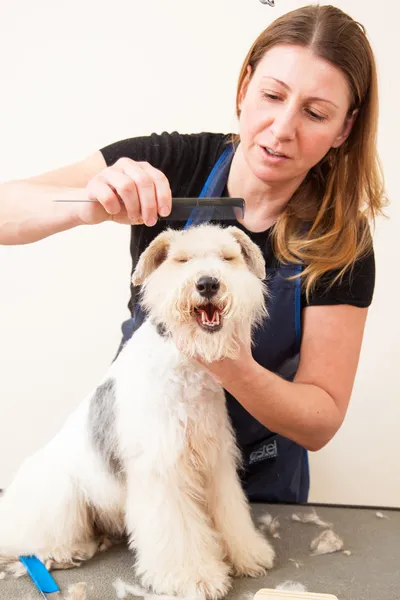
(270,96)
(315,116)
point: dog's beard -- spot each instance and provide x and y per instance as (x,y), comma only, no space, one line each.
(239,310)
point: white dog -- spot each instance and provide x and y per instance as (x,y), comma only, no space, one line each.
(151,453)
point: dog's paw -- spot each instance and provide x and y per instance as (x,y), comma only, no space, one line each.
(212,586)
(252,559)
(209,581)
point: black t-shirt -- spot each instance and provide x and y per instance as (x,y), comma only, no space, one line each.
(186,160)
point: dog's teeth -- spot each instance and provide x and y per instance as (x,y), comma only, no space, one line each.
(207,322)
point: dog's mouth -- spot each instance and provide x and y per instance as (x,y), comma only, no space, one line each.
(209,317)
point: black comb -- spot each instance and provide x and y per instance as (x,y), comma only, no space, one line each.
(196,210)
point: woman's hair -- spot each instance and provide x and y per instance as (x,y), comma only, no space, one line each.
(326,222)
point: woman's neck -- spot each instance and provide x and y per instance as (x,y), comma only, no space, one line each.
(264,202)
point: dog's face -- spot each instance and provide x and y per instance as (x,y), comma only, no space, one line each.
(205,286)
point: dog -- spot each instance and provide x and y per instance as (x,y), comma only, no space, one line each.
(150,454)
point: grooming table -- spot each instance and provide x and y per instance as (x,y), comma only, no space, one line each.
(371,572)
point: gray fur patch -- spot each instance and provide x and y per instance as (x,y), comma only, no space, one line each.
(102,425)
(162,330)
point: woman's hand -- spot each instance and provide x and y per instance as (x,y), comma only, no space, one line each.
(228,370)
(128,192)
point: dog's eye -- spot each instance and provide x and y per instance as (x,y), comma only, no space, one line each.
(228,258)
(181,259)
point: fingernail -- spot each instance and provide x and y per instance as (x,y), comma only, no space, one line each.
(152,222)
(164,211)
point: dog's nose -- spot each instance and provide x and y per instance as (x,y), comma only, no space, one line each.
(207,286)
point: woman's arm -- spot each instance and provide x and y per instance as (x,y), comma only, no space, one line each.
(27,210)
(127,192)
(312,408)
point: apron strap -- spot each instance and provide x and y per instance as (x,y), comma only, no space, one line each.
(213,188)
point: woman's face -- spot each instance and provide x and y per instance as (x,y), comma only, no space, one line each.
(295,104)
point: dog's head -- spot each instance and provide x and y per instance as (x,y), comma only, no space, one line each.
(205,286)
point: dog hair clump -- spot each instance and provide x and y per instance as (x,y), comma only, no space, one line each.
(296,563)
(291,586)
(270,524)
(311,517)
(326,542)
(380,515)
(77,592)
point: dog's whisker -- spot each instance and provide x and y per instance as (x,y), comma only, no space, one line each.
(227,311)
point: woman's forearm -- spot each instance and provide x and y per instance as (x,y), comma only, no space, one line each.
(301,412)
(28,213)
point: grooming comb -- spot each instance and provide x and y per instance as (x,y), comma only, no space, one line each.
(198,209)
(41,577)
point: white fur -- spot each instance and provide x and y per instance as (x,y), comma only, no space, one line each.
(291,586)
(311,517)
(178,497)
(327,542)
(270,524)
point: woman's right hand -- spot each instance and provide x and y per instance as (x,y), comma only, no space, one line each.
(128,192)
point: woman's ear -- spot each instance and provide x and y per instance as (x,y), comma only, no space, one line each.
(346,129)
(244,86)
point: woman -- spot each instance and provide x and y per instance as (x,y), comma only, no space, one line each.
(305,162)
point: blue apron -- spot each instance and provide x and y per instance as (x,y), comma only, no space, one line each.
(275,469)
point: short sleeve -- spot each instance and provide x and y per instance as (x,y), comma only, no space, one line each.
(356,287)
(156,149)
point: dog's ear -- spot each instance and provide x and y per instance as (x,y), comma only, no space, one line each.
(250,251)
(152,257)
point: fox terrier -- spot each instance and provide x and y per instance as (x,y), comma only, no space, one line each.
(150,454)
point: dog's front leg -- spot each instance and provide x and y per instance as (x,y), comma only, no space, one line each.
(248,550)
(177,550)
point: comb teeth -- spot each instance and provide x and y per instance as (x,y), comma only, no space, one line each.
(267,594)
(197,210)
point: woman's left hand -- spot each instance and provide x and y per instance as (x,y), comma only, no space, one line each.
(228,370)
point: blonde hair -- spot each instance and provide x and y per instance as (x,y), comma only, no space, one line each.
(344,192)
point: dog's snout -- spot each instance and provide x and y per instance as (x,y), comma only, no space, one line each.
(207,286)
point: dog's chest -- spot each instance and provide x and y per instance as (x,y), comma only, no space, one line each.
(192,398)
(167,404)
(197,421)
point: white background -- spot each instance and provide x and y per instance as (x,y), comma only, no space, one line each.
(78,75)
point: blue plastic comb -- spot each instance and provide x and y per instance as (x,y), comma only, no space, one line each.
(41,577)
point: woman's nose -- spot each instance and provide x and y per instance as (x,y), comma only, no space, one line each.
(284,124)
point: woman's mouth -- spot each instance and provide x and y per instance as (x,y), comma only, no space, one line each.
(272,155)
